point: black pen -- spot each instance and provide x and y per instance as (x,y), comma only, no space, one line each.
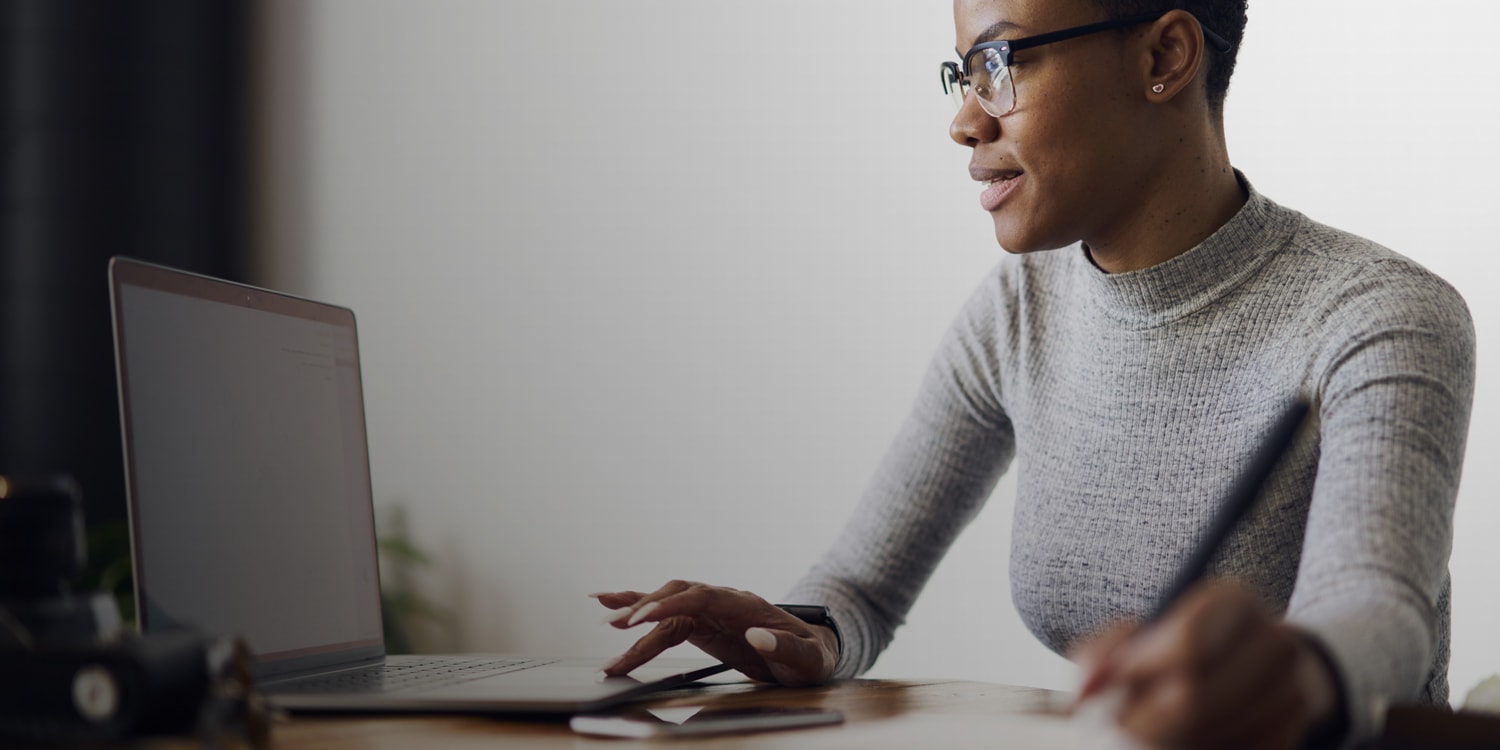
(1241,498)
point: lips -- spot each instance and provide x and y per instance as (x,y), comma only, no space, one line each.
(995,185)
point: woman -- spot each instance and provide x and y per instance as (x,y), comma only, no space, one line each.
(1129,354)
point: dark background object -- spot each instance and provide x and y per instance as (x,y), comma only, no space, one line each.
(41,552)
(41,537)
(1410,727)
(124,131)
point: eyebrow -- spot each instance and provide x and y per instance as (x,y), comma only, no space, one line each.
(994,31)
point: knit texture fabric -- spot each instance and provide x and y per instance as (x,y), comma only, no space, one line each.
(1130,402)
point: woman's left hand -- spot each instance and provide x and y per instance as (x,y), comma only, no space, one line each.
(1218,671)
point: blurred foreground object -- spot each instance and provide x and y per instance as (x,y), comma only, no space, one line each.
(1485,696)
(68,673)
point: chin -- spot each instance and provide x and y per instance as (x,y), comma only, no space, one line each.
(1019,241)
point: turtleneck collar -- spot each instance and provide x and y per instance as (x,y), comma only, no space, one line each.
(1168,291)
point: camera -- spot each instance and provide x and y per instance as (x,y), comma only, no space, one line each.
(70,673)
(41,552)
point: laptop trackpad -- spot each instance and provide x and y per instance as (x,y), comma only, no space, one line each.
(570,677)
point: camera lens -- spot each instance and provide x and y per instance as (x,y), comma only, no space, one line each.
(41,536)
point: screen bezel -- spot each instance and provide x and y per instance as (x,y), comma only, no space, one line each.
(129,272)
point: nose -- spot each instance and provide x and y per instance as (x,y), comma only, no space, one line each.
(972,125)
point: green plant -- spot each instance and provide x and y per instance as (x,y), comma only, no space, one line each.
(403,607)
(109,568)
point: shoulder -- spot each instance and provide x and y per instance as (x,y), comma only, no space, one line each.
(1012,304)
(1360,283)
(1371,313)
(1018,298)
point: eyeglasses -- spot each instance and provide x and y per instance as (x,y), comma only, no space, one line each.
(986,67)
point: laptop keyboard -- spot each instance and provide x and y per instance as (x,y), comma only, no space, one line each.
(429,672)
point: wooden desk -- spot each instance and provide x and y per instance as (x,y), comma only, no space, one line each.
(880,705)
(949,714)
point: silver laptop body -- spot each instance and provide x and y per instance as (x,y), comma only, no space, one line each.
(251,513)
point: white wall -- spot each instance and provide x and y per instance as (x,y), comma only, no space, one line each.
(644,288)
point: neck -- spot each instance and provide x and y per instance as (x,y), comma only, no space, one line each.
(1189,193)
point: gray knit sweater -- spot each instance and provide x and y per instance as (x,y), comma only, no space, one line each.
(1130,401)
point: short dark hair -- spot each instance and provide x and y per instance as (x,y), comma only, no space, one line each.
(1225,17)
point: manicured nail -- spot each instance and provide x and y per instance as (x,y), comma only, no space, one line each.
(761,639)
(616,615)
(598,594)
(642,613)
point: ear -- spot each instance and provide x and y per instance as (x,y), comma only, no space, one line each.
(1174,54)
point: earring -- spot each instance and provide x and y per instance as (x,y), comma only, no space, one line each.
(1158,88)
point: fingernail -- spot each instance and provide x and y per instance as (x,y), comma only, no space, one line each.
(616,615)
(598,594)
(641,613)
(761,639)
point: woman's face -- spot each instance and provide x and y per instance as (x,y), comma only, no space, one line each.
(1065,164)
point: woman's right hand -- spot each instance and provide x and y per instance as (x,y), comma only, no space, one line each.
(736,627)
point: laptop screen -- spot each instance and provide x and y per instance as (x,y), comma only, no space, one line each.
(247,467)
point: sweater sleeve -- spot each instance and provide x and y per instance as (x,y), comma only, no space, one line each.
(941,467)
(1394,407)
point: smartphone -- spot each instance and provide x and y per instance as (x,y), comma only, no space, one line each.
(700,721)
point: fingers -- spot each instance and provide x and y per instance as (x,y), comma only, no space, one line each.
(1204,627)
(1095,655)
(1179,673)
(617,599)
(737,627)
(1248,681)
(632,608)
(665,635)
(793,659)
(1218,671)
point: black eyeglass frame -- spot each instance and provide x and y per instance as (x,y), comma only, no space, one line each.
(953,74)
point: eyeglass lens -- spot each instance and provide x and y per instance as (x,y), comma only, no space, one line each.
(989,76)
(990,79)
(954,84)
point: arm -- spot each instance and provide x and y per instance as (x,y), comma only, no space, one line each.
(1393,389)
(943,464)
(939,470)
(1395,413)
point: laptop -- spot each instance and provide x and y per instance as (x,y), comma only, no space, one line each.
(248,483)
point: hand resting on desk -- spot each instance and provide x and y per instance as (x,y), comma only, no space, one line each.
(736,627)
(1218,670)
